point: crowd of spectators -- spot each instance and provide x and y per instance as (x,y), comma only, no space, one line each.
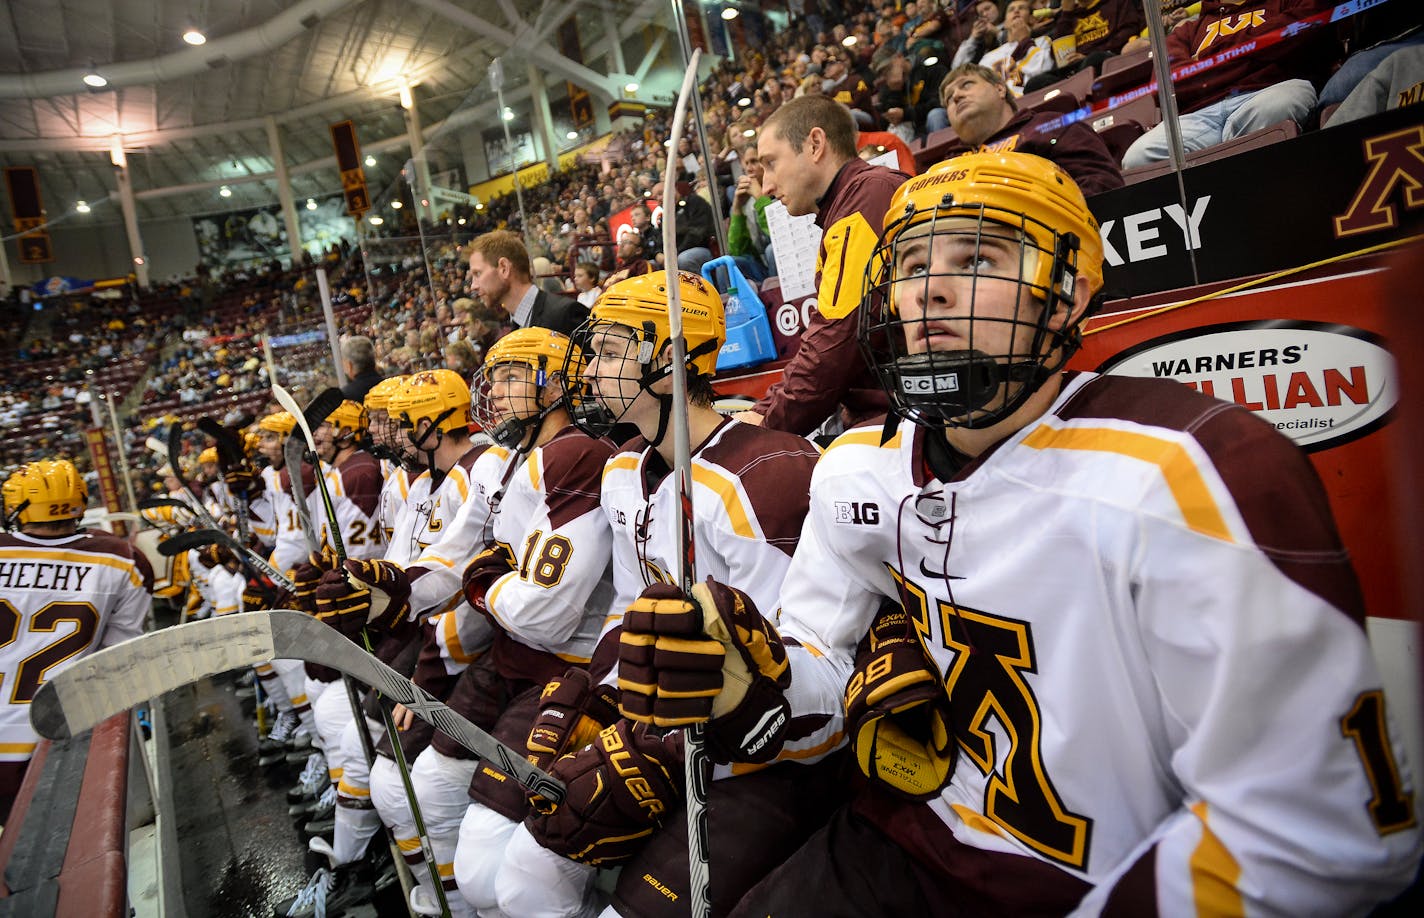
(907,71)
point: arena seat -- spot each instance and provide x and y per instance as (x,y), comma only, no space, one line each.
(1063,96)
(1283,130)
(934,148)
(1122,71)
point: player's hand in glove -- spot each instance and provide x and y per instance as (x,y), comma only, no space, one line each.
(243,479)
(572,711)
(307,575)
(682,660)
(216,554)
(372,594)
(259,593)
(620,789)
(487,567)
(897,709)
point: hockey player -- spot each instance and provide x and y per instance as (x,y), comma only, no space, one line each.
(1093,639)
(749,499)
(543,602)
(435,406)
(64,591)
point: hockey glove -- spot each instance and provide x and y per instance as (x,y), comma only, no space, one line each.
(216,554)
(897,710)
(305,578)
(244,480)
(621,788)
(665,672)
(487,567)
(372,595)
(258,593)
(572,712)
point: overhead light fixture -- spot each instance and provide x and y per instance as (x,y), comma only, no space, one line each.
(508,114)
(194,37)
(479,207)
(94,80)
(424,202)
(461,221)
(730,12)
(140,260)
(631,87)
(370,160)
(82,207)
(931,61)
(572,135)
(397,205)
(311,203)
(407,101)
(116,153)
(225,192)
(376,221)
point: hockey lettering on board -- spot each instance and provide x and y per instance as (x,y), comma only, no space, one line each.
(1319,384)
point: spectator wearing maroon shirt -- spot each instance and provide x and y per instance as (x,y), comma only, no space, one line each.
(983,113)
(1249,92)
(1100,29)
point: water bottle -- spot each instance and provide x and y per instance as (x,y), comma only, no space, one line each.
(732,305)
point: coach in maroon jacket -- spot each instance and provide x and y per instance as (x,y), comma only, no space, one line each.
(809,163)
(982,112)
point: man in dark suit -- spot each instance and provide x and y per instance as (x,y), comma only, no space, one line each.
(501,275)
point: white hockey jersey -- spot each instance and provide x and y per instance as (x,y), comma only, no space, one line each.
(1152,641)
(436,575)
(261,512)
(551,520)
(355,485)
(60,598)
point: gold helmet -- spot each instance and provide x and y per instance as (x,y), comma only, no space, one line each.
(281,423)
(641,304)
(250,441)
(438,396)
(379,396)
(209,455)
(1007,243)
(348,417)
(550,356)
(44,492)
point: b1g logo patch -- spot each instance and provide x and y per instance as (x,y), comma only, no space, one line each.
(857,513)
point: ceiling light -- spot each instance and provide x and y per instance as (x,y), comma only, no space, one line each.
(848,41)
(139,260)
(931,61)
(744,101)
(370,160)
(397,205)
(631,87)
(194,37)
(94,80)
(572,135)
(508,114)
(730,12)
(376,221)
(479,207)
(225,191)
(461,221)
(311,203)
(82,207)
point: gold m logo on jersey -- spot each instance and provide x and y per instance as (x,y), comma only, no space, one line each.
(1230,25)
(1396,161)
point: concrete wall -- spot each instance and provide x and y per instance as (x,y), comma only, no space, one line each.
(102,250)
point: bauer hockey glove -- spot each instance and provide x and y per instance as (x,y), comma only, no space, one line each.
(681,661)
(487,567)
(244,480)
(572,711)
(897,709)
(621,788)
(306,576)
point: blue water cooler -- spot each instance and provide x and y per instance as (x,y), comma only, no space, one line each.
(749,340)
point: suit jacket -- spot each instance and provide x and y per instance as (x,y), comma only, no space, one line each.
(557,312)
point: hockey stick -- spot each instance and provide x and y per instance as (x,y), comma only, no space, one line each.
(293,452)
(696,768)
(193,501)
(230,456)
(116,678)
(197,538)
(318,409)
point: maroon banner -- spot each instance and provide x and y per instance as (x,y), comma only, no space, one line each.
(108,485)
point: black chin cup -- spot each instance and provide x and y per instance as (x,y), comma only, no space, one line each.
(510,433)
(590,416)
(947,385)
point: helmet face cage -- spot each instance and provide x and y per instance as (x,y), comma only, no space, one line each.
(961,321)
(507,397)
(622,365)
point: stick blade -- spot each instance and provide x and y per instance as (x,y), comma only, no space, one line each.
(96,687)
(186,541)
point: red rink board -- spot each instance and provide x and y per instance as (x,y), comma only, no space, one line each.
(1310,356)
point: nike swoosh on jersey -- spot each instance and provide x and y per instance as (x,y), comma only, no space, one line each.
(937,574)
